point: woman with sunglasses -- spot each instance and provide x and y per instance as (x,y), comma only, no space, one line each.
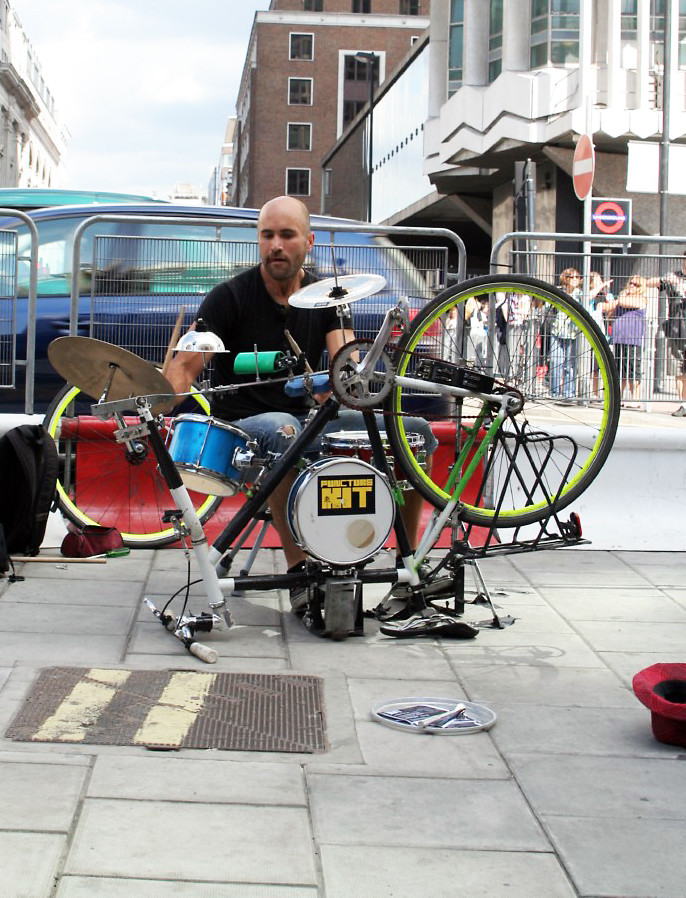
(628,316)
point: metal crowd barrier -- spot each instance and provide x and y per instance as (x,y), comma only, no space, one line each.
(617,259)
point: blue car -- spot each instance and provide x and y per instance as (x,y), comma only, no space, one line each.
(144,262)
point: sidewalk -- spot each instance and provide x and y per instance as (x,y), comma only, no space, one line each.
(568,794)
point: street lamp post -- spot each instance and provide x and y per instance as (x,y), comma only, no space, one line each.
(369,59)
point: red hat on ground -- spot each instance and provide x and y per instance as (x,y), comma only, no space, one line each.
(662,689)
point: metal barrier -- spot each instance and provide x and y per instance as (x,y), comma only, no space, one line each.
(138,284)
(10,319)
(641,346)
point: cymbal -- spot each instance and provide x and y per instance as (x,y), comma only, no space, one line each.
(337,291)
(87,363)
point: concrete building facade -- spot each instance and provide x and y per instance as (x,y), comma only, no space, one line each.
(302,84)
(500,82)
(32,141)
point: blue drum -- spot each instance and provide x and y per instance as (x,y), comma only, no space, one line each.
(207,452)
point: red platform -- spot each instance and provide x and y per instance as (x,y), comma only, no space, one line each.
(104,476)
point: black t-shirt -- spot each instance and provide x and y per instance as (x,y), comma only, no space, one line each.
(244,315)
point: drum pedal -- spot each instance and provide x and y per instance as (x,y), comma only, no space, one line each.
(339,613)
(342,606)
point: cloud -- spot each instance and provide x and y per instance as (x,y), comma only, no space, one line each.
(144,89)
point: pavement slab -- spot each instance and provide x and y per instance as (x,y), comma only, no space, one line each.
(41,797)
(441,873)
(239,843)
(568,795)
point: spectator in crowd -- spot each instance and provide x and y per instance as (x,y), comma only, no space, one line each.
(628,316)
(476,314)
(599,297)
(563,334)
(674,285)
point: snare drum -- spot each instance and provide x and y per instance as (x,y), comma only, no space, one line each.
(340,510)
(204,451)
(356,444)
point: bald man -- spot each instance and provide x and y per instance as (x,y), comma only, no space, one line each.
(251,310)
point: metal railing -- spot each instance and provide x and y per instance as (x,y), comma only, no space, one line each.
(138,284)
(656,361)
(9,359)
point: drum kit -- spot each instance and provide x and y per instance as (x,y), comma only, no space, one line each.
(341,509)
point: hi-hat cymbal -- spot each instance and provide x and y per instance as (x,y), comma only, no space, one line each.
(336,291)
(88,364)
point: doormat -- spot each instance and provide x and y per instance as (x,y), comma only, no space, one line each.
(173,709)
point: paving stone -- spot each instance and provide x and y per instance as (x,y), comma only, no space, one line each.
(620,856)
(214,781)
(627,636)
(231,843)
(501,685)
(638,788)
(68,592)
(59,648)
(388,810)
(97,621)
(39,797)
(583,731)
(516,645)
(34,878)
(79,887)
(382,657)
(650,605)
(441,873)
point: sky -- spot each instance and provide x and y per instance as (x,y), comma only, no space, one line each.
(144,87)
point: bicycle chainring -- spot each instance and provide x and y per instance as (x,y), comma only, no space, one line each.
(355,390)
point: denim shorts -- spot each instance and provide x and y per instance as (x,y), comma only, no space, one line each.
(274,431)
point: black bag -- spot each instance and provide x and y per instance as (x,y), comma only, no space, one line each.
(28,480)
(674,328)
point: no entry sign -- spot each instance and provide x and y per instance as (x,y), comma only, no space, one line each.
(610,216)
(583,167)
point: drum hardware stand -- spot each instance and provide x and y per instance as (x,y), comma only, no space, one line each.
(184,626)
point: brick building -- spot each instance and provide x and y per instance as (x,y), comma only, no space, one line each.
(306,76)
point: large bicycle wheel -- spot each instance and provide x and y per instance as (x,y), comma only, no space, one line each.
(532,338)
(101,483)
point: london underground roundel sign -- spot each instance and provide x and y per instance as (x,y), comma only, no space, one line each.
(610,216)
(583,167)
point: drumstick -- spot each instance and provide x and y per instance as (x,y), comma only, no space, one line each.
(298,351)
(176,333)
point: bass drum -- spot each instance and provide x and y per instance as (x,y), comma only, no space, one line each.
(340,511)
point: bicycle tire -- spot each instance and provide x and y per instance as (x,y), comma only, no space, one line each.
(590,419)
(98,484)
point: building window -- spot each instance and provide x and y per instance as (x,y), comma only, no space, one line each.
(313,5)
(409,7)
(657,28)
(299,91)
(364,6)
(302,46)
(555,32)
(299,136)
(298,181)
(495,39)
(350,110)
(455,46)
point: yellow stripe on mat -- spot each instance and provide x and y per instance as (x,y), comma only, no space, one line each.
(176,710)
(82,707)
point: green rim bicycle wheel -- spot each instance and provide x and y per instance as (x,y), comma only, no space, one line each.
(99,484)
(548,349)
